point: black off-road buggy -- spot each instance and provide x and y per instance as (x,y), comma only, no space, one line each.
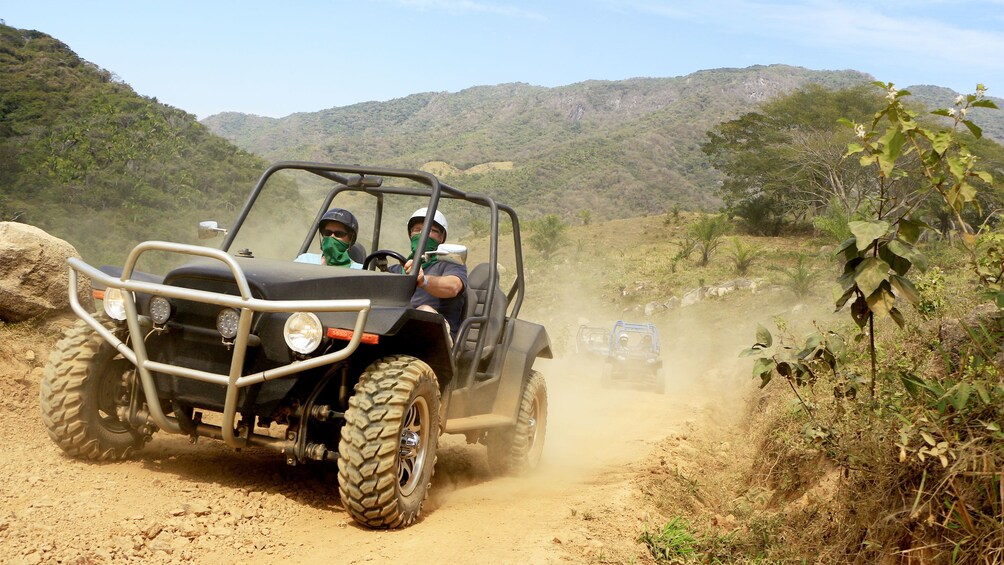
(318,363)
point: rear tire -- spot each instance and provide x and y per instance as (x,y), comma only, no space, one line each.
(84,383)
(517,449)
(387,452)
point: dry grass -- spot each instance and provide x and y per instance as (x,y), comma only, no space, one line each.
(780,486)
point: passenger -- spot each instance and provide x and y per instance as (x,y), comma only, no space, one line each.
(440,284)
(646,344)
(338,229)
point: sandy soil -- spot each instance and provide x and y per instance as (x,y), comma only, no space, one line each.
(174,502)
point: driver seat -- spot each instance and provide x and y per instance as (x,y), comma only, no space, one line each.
(477,301)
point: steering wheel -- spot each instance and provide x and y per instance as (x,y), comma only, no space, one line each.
(378,260)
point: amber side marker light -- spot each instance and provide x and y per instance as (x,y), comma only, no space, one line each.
(338,333)
(98,294)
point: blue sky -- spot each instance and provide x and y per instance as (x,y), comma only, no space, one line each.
(277,58)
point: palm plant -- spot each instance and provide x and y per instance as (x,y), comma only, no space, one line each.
(743,255)
(708,233)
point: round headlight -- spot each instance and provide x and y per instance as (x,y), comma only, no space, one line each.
(226,322)
(303,332)
(114,303)
(160,309)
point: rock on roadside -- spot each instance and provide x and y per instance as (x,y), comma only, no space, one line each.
(33,273)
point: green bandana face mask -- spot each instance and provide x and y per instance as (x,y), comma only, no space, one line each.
(335,251)
(430,245)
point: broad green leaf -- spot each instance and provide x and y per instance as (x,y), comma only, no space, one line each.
(763,336)
(975,129)
(909,230)
(982,392)
(985,176)
(881,302)
(961,396)
(985,104)
(905,289)
(762,365)
(867,232)
(844,298)
(897,317)
(886,164)
(900,264)
(893,141)
(811,345)
(910,253)
(853,148)
(957,167)
(870,274)
(942,142)
(849,242)
(967,192)
(911,383)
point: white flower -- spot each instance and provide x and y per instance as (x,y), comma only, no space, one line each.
(891,92)
(859,130)
(962,112)
(959,100)
(951,112)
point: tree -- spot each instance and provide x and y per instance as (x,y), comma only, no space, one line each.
(787,160)
(548,234)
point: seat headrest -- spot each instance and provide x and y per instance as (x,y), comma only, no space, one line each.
(478,277)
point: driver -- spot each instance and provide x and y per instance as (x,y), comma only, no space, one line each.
(440,284)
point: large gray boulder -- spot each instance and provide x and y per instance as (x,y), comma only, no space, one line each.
(34,279)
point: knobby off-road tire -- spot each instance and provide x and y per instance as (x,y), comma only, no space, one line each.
(387,452)
(78,395)
(516,449)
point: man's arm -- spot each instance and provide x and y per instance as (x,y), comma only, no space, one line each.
(446,286)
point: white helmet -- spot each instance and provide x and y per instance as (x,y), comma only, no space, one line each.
(439,219)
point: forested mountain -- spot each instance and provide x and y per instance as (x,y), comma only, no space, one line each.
(618,148)
(85,158)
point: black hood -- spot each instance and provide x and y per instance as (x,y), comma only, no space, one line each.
(271,279)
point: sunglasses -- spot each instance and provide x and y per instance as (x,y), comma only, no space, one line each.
(417,228)
(335,233)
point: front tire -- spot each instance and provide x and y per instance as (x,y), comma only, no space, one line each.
(517,449)
(84,383)
(387,452)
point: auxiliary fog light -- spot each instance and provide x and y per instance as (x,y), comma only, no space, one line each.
(160,310)
(303,332)
(114,303)
(226,322)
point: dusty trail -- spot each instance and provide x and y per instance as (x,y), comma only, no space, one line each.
(174,502)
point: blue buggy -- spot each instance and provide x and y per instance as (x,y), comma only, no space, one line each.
(633,358)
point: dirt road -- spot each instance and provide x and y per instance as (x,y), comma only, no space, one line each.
(175,503)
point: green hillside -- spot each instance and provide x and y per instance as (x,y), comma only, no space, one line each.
(618,148)
(85,158)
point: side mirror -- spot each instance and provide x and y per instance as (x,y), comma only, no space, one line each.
(450,253)
(210,229)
